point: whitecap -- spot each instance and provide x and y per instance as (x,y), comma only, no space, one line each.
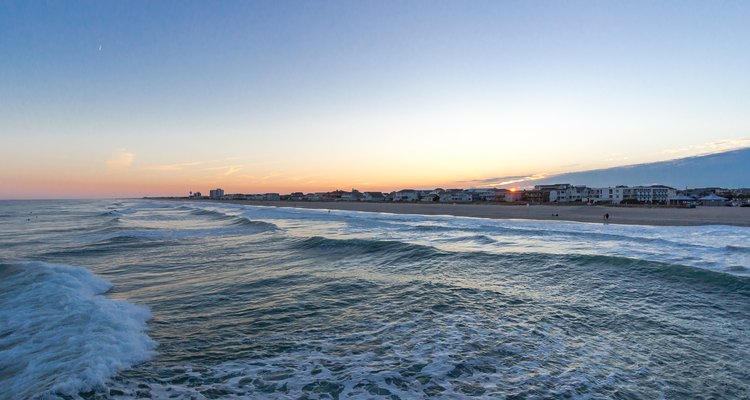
(59,335)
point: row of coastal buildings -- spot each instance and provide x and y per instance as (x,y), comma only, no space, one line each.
(556,193)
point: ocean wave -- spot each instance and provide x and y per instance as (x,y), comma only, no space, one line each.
(260,226)
(672,271)
(482,239)
(433,228)
(126,211)
(235,226)
(738,249)
(210,213)
(370,247)
(59,335)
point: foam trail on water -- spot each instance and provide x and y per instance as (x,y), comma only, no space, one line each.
(59,335)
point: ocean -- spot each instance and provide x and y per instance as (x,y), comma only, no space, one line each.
(202,300)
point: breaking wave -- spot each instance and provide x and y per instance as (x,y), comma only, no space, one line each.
(59,334)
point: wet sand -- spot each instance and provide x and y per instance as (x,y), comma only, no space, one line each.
(663,216)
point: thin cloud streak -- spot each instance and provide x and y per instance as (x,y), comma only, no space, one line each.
(717,146)
(173,167)
(505,181)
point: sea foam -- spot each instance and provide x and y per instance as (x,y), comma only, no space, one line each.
(59,335)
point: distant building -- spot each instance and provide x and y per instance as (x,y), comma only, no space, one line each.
(565,193)
(456,196)
(431,196)
(264,197)
(713,200)
(406,195)
(197,195)
(216,194)
(488,194)
(649,194)
(620,194)
(700,192)
(512,196)
(681,200)
(606,195)
(373,196)
(313,197)
(536,196)
(354,195)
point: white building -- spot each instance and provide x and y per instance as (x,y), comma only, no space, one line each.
(456,196)
(267,197)
(354,195)
(373,196)
(313,197)
(431,196)
(641,194)
(488,194)
(568,193)
(649,194)
(406,195)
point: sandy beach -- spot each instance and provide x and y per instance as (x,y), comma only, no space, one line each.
(662,216)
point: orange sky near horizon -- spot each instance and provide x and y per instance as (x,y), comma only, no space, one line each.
(122,175)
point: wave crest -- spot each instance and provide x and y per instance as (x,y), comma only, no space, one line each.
(59,335)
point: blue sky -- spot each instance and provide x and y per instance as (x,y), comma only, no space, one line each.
(113,98)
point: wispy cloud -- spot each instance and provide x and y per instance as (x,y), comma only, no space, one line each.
(120,160)
(227,170)
(717,146)
(173,167)
(232,169)
(227,165)
(505,180)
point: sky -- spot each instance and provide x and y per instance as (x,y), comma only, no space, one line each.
(144,98)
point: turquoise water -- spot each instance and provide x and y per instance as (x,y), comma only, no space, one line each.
(123,299)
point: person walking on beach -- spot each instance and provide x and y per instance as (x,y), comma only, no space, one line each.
(606,218)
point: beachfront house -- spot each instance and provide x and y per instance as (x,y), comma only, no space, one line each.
(313,197)
(564,193)
(456,196)
(373,196)
(535,196)
(406,195)
(602,195)
(512,196)
(265,197)
(354,195)
(654,193)
(681,200)
(487,194)
(713,200)
(569,193)
(432,196)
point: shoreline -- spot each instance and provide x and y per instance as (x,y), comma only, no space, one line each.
(656,216)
